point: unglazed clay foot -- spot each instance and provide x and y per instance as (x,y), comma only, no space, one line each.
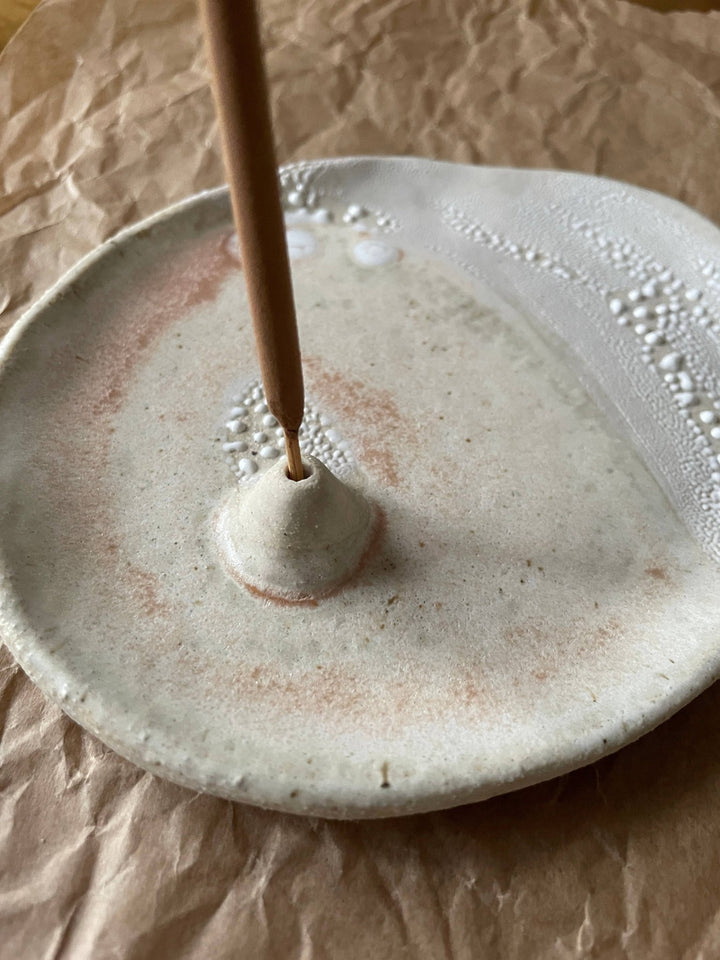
(295,540)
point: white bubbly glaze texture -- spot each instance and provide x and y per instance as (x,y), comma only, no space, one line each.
(253,440)
(639,286)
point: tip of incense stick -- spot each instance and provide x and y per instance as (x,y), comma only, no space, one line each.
(295,470)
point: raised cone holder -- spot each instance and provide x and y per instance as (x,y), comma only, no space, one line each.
(295,540)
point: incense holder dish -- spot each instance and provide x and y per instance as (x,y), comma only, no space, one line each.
(512,395)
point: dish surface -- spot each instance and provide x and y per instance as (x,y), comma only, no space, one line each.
(534,601)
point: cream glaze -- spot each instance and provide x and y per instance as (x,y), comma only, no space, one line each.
(295,540)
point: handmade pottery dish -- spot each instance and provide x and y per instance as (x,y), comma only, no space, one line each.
(516,370)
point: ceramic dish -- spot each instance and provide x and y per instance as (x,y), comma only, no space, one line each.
(519,369)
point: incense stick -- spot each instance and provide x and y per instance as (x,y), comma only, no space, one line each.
(240,88)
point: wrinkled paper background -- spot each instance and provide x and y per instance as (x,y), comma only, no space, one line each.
(106,117)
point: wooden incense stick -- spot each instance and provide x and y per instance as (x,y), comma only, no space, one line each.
(240,88)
